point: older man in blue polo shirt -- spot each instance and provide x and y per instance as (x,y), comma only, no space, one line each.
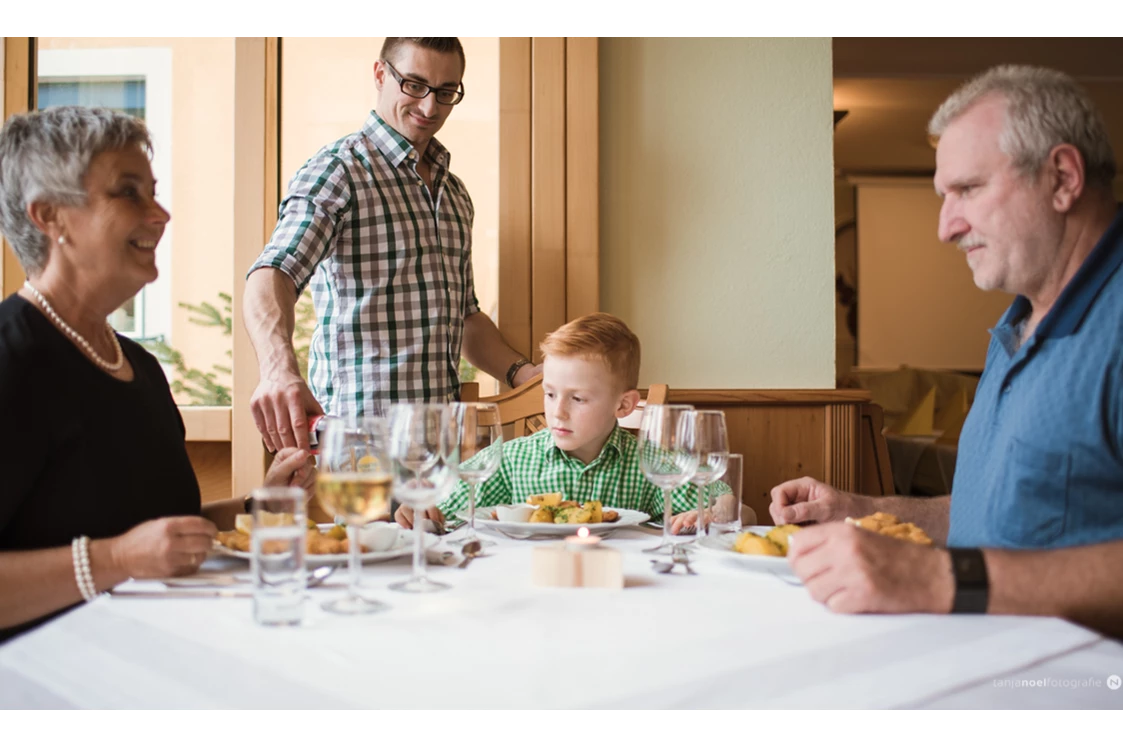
(1034,524)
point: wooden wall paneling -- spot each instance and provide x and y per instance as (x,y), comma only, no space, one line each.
(548,172)
(515,193)
(786,434)
(19,97)
(582,184)
(211,461)
(252,103)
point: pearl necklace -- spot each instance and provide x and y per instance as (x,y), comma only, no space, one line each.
(76,337)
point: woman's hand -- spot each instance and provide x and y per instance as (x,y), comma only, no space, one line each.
(292,467)
(165,547)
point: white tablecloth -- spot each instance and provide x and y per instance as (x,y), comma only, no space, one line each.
(727,638)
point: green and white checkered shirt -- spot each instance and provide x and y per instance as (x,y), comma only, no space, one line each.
(533,465)
(390,265)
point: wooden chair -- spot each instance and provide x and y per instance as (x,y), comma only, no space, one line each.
(522,410)
(876,477)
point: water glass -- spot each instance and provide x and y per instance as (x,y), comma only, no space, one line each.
(725,509)
(277,555)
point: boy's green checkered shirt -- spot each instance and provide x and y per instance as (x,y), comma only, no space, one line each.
(534,465)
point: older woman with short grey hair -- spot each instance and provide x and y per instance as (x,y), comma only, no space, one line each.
(98,486)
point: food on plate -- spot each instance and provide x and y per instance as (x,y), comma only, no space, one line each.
(552,510)
(317,542)
(888,524)
(756,545)
(545,499)
(780,534)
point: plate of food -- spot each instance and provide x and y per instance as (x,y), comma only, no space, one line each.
(758,548)
(549,515)
(765,548)
(327,544)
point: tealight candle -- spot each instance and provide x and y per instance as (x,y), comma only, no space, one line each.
(582,540)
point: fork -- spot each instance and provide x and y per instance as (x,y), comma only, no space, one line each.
(679,556)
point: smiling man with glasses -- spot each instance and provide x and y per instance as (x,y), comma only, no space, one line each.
(382,230)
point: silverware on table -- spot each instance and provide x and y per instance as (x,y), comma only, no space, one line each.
(470,551)
(180,593)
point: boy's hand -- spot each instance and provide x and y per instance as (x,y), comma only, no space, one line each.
(688,521)
(404,517)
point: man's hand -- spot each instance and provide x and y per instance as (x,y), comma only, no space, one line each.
(526,373)
(281,406)
(851,570)
(808,500)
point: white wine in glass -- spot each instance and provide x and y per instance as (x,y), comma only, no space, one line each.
(354,483)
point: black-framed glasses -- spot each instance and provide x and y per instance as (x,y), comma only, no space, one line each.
(418,90)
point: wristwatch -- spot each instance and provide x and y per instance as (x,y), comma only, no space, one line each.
(972,589)
(513,370)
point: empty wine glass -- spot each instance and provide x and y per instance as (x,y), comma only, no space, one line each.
(424,455)
(354,483)
(712,444)
(481,452)
(667,458)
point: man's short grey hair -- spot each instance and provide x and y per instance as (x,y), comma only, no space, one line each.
(44,157)
(1044,108)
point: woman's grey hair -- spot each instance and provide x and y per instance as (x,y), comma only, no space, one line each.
(44,157)
(1044,108)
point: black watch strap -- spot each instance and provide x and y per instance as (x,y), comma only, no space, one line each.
(513,370)
(972,588)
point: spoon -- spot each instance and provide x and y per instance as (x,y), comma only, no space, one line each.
(470,551)
(319,574)
(661,567)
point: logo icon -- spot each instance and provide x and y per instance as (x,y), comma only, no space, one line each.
(1114,682)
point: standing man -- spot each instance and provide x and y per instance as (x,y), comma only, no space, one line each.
(1034,524)
(383,231)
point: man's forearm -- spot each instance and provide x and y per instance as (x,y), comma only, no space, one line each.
(932,515)
(1081,584)
(485,348)
(269,312)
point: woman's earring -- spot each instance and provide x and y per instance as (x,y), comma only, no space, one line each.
(62,240)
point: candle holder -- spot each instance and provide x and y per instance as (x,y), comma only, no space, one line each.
(580,561)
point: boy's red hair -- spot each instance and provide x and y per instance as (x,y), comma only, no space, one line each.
(601,336)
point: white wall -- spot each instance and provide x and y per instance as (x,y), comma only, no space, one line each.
(917,302)
(716,197)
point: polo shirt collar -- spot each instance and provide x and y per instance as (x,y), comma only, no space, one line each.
(1076,297)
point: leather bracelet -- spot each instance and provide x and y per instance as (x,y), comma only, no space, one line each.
(513,370)
(972,587)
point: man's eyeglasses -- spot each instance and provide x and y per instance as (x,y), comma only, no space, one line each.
(419,90)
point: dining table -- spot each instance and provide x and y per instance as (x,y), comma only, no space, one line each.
(726,637)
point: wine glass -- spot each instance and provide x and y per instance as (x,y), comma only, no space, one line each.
(667,457)
(725,509)
(424,455)
(481,452)
(354,483)
(712,443)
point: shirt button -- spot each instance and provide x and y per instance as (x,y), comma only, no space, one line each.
(1006,390)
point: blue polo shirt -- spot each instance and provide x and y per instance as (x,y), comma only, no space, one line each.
(1040,461)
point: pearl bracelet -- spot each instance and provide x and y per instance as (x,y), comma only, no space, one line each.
(80,553)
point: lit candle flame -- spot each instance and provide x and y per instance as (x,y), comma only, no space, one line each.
(583,532)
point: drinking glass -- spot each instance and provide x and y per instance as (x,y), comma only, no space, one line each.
(354,483)
(424,456)
(277,545)
(725,510)
(712,443)
(481,452)
(668,458)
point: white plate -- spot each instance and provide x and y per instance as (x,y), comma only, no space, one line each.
(721,546)
(628,518)
(403,547)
